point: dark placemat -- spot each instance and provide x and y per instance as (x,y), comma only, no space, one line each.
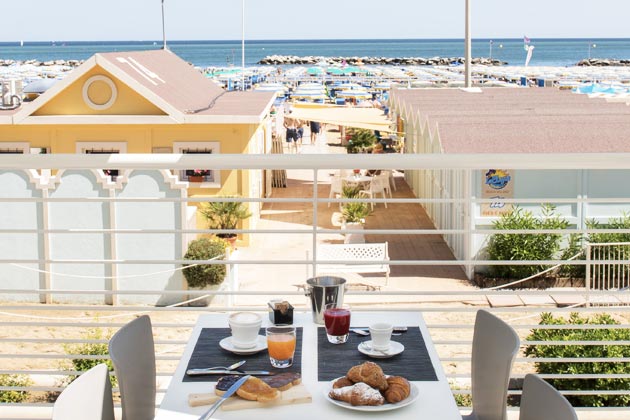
(208,353)
(334,360)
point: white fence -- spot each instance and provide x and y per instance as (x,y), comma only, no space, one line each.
(608,268)
(37,339)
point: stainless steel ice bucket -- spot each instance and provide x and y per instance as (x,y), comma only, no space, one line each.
(322,291)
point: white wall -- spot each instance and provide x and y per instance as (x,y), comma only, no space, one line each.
(82,240)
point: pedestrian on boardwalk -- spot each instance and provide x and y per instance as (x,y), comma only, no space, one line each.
(315,129)
(291,132)
(300,130)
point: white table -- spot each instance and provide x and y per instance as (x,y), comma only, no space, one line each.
(362,181)
(435,402)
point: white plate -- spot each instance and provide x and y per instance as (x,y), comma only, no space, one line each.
(413,396)
(261,344)
(394,348)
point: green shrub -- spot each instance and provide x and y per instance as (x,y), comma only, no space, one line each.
(530,246)
(462,400)
(203,275)
(92,349)
(584,351)
(622,222)
(574,246)
(16,381)
(576,241)
(361,140)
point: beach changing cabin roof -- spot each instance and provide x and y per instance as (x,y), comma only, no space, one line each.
(168,89)
(528,120)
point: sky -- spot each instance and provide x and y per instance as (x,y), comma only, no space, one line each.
(94,20)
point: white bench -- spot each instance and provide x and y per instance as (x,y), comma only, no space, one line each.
(366,253)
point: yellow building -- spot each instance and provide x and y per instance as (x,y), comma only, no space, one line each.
(145,102)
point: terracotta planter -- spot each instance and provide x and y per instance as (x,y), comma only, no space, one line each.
(230,238)
(195,178)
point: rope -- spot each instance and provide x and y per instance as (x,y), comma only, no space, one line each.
(78,276)
(534,275)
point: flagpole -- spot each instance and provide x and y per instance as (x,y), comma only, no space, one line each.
(467,48)
(243,45)
(163,29)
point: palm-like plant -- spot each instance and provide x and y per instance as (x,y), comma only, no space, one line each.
(224,214)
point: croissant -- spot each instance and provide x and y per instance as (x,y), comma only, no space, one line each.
(370,373)
(357,394)
(341,382)
(398,389)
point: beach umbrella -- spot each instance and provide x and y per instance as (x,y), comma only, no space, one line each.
(315,71)
(334,71)
(39,86)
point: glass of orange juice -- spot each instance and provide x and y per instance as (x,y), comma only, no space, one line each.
(281,345)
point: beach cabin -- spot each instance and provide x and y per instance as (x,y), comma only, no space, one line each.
(522,121)
(147,102)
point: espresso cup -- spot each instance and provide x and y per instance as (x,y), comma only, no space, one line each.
(381,334)
(245,328)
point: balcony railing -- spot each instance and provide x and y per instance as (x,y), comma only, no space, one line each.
(78,276)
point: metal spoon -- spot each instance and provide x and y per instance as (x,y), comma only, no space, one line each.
(231,367)
(365,333)
(367,347)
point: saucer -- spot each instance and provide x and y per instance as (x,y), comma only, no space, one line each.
(395,348)
(261,344)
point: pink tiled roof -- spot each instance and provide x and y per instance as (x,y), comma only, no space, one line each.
(536,120)
(182,86)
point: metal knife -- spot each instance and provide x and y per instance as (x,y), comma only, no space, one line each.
(198,372)
(231,390)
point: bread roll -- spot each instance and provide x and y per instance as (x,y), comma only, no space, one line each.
(369,373)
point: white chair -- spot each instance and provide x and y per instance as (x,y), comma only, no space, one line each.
(336,187)
(88,397)
(133,353)
(386,177)
(378,185)
(391,180)
(542,401)
(495,345)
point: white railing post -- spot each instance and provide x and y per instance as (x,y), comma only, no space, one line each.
(587,275)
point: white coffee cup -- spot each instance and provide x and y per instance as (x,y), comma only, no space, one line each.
(381,333)
(245,328)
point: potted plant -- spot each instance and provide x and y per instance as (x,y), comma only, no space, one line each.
(205,276)
(196,175)
(361,140)
(353,215)
(224,215)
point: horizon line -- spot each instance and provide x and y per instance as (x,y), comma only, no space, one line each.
(309,40)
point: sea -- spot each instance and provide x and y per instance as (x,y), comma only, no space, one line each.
(547,52)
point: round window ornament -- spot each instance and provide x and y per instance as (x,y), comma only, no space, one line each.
(113,92)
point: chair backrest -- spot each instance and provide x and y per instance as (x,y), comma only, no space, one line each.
(379,183)
(133,354)
(336,184)
(495,345)
(542,401)
(88,397)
